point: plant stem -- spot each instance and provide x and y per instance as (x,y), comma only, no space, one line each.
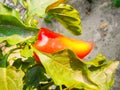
(60,87)
(3,61)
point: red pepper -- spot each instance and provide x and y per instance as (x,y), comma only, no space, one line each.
(50,42)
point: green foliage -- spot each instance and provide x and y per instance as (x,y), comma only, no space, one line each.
(48,18)
(24,51)
(116,3)
(11,79)
(1,55)
(24,65)
(79,74)
(98,61)
(39,7)
(12,28)
(33,76)
(68,17)
(103,75)
(15,2)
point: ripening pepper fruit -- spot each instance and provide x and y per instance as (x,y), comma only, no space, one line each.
(50,42)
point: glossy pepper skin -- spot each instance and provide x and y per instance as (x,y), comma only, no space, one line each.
(50,42)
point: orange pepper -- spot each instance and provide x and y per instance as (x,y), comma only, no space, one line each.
(51,42)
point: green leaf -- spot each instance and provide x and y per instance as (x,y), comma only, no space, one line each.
(55,4)
(24,64)
(15,2)
(14,35)
(34,76)
(98,61)
(38,7)
(22,2)
(27,51)
(4,58)
(116,3)
(11,79)
(11,27)
(18,63)
(68,17)
(104,76)
(48,18)
(1,54)
(66,69)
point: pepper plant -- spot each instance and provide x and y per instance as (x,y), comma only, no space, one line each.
(62,69)
(116,3)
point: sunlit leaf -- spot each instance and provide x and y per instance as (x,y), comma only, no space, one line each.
(98,61)
(15,2)
(26,51)
(66,69)
(55,4)
(22,2)
(11,79)
(68,17)
(104,75)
